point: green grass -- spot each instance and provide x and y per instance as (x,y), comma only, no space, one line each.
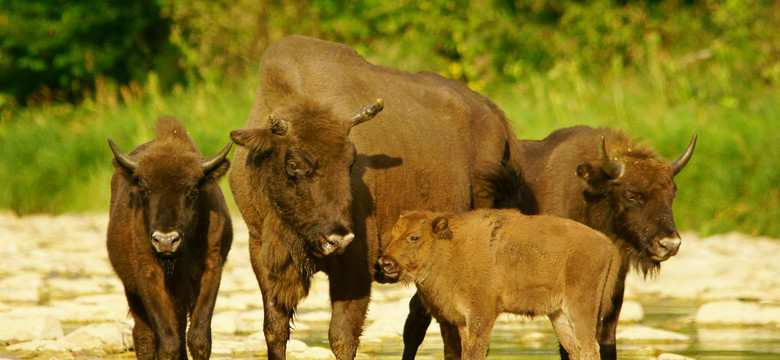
(732,182)
(55,159)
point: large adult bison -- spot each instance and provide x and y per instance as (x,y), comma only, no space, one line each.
(602,178)
(169,233)
(318,188)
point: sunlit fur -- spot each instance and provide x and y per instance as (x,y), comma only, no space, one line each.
(471,267)
(432,147)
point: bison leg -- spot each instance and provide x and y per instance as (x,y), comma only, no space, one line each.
(199,337)
(415,327)
(181,318)
(158,306)
(564,330)
(144,343)
(607,329)
(350,292)
(276,328)
(475,337)
(279,300)
(452,340)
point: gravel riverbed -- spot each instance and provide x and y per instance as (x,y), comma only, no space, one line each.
(59,298)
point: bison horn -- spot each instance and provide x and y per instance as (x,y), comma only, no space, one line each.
(127,161)
(611,168)
(680,162)
(212,161)
(278,126)
(366,113)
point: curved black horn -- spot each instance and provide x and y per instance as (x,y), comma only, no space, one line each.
(127,161)
(212,161)
(611,168)
(278,126)
(680,162)
(366,113)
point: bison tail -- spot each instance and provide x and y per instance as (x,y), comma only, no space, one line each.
(502,182)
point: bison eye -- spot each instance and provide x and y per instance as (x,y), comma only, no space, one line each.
(414,238)
(144,194)
(634,197)
(192,193)
(298,168)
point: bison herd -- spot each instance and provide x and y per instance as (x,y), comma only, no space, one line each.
(368,173)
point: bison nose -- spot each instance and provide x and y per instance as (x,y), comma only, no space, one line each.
(165,242)
(388,265)
(667,247)
(337,240)
(671,245)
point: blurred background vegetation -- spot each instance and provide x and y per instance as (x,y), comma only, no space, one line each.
(75,73)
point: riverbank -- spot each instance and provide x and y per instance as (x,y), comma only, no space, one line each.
(59,299)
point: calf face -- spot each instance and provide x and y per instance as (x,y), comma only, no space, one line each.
(634,190)
(165,184)
(302,163)
(411,243)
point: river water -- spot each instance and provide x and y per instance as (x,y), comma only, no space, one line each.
(535,340)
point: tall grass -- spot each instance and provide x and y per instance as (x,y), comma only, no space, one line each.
(55,159)
(732,182)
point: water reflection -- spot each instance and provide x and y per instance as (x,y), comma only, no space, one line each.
(521,338)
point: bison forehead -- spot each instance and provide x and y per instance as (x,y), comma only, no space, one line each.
(311,119)
(170,167)
(650,174)
(415,218)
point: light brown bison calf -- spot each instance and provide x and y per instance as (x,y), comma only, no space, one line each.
(471,267)
(169,233)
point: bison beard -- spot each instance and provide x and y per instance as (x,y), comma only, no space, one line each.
(166,263)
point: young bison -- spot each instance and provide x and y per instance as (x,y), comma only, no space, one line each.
(471,267)
(169,233)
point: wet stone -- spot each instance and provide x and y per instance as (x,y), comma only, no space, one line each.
(24,327)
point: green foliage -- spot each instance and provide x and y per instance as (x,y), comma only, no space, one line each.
(660,70)
(56,49)
(57,157)
(733,179)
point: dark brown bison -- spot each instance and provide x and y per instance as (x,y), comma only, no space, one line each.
(169,233)
(470,267)
(318,188)
(605,180)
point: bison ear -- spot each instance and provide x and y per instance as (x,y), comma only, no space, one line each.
(122,170)
(219,170)
(592,175)
(256,140)
(441,227)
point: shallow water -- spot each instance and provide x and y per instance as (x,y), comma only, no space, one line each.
(535,340)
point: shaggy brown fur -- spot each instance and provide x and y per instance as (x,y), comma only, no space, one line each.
(469,268)
(169,234)
(304,192)
(564,177)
